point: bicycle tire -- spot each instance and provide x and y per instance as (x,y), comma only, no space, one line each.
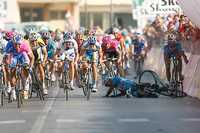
(66,93)
(18,98)
(88,86)
(84,90)
(152,73)
(41,95)
(2,98)
(83,86)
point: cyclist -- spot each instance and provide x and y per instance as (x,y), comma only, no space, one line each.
(69,52)
(121,41)
(39,50)
(79,39)
(58,38)
(91,50)
(127,47)
(9,35)
(123,85)
(174,49)
(110,49)
(139,52)
(51,50)
(18,51)
(3,42)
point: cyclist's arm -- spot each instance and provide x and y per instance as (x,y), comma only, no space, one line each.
(76,51)
(100,55)
(32,58)
(44,51)
(122,45)
(119,54)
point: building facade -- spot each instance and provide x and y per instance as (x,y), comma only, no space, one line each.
(67,14)
(56,12)
(105,13)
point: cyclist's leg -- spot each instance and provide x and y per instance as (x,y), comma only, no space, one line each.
(120,69)
(94,69)
(71,74)
(24,59)
(179,69)
(42,74)
(168,68)
(110,90)
(94,59)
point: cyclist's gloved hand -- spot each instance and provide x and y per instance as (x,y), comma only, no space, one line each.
(30,69)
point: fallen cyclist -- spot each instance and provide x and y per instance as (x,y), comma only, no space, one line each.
(126,87)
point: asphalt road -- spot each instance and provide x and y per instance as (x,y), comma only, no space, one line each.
(101,115)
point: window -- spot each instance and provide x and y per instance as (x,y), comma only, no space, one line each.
(98,19)
(63,13)
(53,15)
(31,14)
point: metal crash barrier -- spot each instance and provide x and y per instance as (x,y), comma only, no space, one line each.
(191,71)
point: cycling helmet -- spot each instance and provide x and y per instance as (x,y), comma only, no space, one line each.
(9,35)
(115,30)
(79,35)
(58,36)
(46,35)
(171,37)
(106,39)
(17,39)
(92,32)
(124,33)
(33,36)
(92,40)
(67,36)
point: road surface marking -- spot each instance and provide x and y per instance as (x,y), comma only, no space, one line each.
(191,119)
(134,120)
(12,122)
(82,121)
(39,123)
(33,111)
(67,120)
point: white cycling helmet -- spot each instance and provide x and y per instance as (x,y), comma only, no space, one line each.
(33,36)
(171,37)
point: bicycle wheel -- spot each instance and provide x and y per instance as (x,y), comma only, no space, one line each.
(65,85)
(66,93)
(147,76)
(19,98)
(88,85)
(179,90)
(40,93)
(83,81)
(2,97)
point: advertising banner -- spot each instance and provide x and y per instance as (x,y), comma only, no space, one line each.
(149,8)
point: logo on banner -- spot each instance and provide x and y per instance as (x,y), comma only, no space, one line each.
(3,9)
(154,7)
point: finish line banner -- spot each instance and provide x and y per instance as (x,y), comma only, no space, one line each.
(149,8)
(3,9)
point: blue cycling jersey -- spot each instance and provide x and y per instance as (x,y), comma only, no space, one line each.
(51,48)
(168,51)
(123,84)
(138,46)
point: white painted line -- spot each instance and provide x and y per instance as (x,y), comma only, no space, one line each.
(12,122)
(134,120)
(191,120)
(33,111)
(67,120)
(40,121)
(60,121)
